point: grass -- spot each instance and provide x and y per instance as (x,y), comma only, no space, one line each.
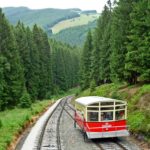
(78,21)
(104,90)
(138,116)
(72,91)
(12,121)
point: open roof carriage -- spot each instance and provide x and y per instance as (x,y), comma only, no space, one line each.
(101,117)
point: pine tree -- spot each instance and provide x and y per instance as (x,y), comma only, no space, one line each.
(12,71)
(105,50)
(119,32)
(24,50)
(59,76)
(38,39)
(32,84)
(86,62)
(95,59)
(138,46)
(48,63)
(2,81)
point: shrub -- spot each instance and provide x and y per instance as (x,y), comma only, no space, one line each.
(116,95)
(48,95)
(136,120)
(25,100)
(1,123)
(92,86)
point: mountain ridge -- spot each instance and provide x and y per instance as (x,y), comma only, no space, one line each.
(47,18)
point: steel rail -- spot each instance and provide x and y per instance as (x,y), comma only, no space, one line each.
(57,127)
(43,130)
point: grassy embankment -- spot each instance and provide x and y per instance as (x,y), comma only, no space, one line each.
(138,98)
(13,122)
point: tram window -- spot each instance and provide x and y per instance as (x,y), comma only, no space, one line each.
(107,108)
(118,103)
(92,108)
(95,104)
(107,103)
(92,116)
(106,116)
(120,107)
(120,115)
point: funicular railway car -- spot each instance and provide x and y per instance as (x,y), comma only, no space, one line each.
(101,117)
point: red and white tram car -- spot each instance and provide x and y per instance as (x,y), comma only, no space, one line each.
(101,117)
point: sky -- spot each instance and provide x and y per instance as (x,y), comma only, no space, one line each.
(39,4)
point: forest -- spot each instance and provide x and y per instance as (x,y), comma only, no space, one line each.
(74,35)
(35,69)
(118,50)
(32,67)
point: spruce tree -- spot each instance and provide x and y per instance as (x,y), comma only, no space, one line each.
(12,71)
(95,59)
(138,46)
(38,39)
(2,81)
(32,84)
(105,50)
(119,32)
(86,62)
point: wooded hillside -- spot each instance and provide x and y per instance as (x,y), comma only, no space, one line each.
(31,66)
(119,48)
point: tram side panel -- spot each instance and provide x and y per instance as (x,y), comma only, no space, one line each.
(105,126)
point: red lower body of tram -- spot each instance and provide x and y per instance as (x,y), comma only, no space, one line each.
(102,129)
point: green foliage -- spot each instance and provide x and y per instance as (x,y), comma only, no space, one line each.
(86,62)
(119,32)
(144,89)
(105,90)
(48,95)
(65,66)
(14,120)
(120,50)
(12,80)
(25,100)
(1,124)
(74,35)
(26,60)
(135,120)
(29,16)
(92,85)
(138,55)
(44,67)
(115,95)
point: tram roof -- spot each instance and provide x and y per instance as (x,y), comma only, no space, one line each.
(95,99)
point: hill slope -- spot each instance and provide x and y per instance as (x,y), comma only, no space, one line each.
(43,17)
(71,25)
(75,35)
(84,19)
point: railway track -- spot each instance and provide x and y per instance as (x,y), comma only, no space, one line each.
(110,146)
(50,137)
